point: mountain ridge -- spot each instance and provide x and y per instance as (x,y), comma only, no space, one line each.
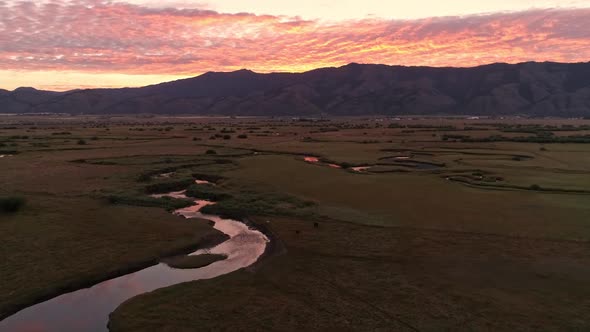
(529,88)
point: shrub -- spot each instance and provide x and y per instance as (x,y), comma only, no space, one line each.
(535,187)
(210,152)
(81,142)
(346,165)
(11,204)
(164,187)
(207,192)
(242,136)
(165,202)
(207,177)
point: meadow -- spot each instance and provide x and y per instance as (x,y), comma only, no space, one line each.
(377,223)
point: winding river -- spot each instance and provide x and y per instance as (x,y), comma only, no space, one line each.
(88,309)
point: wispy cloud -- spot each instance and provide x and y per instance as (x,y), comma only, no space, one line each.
(101,36)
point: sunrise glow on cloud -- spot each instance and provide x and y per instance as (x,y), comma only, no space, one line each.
(107,44)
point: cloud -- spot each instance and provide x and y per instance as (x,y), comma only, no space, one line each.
(114,37)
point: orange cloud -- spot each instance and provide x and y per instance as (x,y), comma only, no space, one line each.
(104,37)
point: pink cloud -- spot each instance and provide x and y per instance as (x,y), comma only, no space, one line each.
(97,36)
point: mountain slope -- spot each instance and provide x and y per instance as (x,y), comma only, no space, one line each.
(539,89)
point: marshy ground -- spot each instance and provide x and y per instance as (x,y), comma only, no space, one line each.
(451,224)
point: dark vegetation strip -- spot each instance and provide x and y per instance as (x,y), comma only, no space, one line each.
(147,176)
(577,139)
(532,168)
(168,203)
(451,152)
(165,159)
(533,187)
(390,171)
(74,149)
(414,161)
(278,152)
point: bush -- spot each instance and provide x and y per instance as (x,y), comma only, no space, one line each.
(207,192)
(242,136)
(168,203)
(165,187)
(81,142)
(207,177)
(210,152)
(535,187)
(11,204)
(346,165)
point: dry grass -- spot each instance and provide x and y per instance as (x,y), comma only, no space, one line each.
(393,251)
(350,277)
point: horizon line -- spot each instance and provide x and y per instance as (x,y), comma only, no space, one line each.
(292,72)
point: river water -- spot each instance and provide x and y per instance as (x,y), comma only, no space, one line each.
(88,309)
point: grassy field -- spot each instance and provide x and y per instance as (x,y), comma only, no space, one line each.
(444,229)
(345,276)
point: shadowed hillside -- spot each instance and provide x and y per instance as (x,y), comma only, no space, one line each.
(538,89)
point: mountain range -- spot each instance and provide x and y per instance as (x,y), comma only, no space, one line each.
(532,88)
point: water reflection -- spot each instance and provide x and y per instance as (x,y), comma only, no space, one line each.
(88,309)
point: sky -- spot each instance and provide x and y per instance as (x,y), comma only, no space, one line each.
(69,44)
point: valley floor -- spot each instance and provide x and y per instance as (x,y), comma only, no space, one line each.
(437,231)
